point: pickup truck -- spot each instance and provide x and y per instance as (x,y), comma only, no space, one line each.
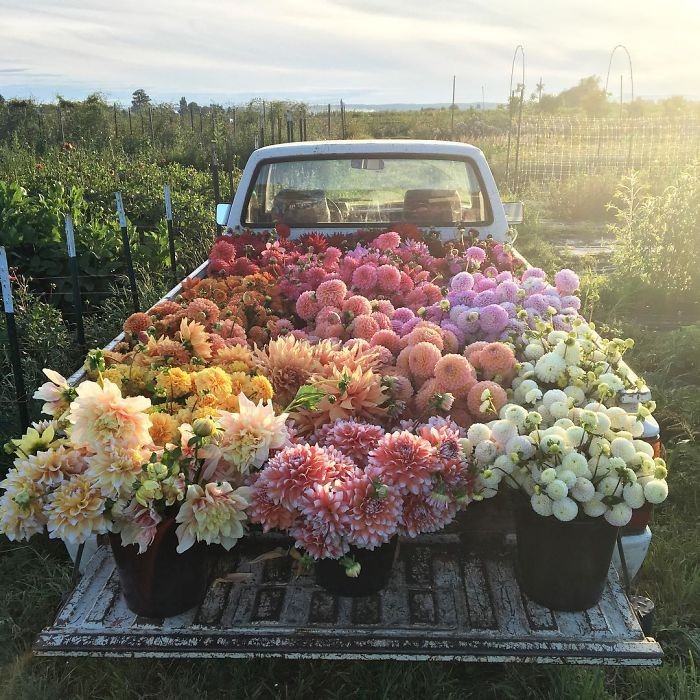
(451,597)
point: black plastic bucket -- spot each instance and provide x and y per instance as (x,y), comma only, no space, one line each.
(562,565)
(160,582)
(375,571)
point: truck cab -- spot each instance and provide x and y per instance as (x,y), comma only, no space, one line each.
(335,187)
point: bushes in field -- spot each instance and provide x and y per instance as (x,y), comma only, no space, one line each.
(658,234)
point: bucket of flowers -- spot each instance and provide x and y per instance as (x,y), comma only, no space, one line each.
(578,482)
(96,468)
(345,498)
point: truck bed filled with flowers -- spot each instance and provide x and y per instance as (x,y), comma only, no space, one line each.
(342,390)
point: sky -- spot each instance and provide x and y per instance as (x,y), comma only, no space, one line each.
(363,51)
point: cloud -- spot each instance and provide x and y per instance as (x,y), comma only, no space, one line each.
(372,50)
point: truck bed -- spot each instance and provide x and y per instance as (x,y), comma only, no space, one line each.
(452,597)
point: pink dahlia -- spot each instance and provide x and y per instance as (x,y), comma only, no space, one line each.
(364,326)
(533,272)
(462,282)
(320,539)
(423,358)
(387,339)
(387,241)
(365,277)
(357,305)
(403,460)
(476,255)
(374,514)
(388,278)
(353,438)
(331,293)
(382,320)
(455,374)
(384,306)
(265,511)
(307,306)
(496,359)
(423,515)
(293,470)
(327,505)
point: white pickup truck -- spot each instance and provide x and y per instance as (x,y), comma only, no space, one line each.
(450,597)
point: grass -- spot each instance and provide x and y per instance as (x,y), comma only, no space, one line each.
(35,576)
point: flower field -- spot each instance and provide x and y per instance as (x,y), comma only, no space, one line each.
(343,391)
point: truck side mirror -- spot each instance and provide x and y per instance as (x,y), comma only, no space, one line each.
(515,212)
(222,212)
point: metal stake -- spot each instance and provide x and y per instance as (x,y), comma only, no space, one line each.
(127,251)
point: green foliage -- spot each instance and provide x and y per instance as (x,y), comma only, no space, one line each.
(45,342)
(580,198)
(658,234)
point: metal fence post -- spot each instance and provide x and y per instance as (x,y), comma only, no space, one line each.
(215,181)
(127,250)
(171,235)
(13,339)
(75,277)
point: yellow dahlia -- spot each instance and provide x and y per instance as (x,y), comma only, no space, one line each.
(232,354)
(114,472)
(75,511)
(213,514)
(114,376)
(175,382)
(163,429)
(288,363)
(214,381)
(103,419)
(260,388)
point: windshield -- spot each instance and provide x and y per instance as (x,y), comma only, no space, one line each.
(360,190)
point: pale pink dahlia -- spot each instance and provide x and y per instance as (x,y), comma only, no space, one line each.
(374,513)
(136,524)
(388,339)
(403,460)
(307,306)
(496,359)
(422,515)
(566,281)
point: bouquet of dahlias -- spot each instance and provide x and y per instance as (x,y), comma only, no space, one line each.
(95,467)
(359,486)
(587,463)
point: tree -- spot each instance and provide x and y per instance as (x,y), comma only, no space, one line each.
(587,95)
(183,106)
(140,99)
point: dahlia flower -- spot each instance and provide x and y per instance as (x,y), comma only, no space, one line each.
(103,419)
(422,515)
(404,461)
(21,512)
(288,363)
(353,438)
(113,472)
(213,514)
(75,511)
(374,512)
(247,436)
(136,524)
(56,393)
(195,338)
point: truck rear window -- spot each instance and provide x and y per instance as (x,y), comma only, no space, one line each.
(332,192)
